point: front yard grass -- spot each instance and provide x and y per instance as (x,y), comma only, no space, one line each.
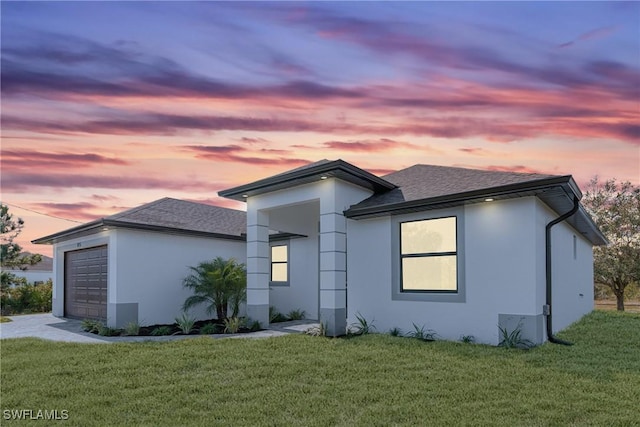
(302,380)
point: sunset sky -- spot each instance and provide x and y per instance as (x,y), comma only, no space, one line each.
(106,106)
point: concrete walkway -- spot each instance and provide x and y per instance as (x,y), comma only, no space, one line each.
(52,328)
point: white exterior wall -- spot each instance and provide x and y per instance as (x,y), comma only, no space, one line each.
(302,292)
(146,268)
(151,267)
(32,276)
(500,272)
(572,276)
(328,198)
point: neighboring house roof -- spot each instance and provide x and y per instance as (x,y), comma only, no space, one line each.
(46,264)
(310,173)
(166,215)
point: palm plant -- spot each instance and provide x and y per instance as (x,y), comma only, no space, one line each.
(218,284)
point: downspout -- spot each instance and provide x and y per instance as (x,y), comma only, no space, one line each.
(547,307)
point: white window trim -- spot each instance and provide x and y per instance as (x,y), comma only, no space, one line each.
(280,283)
(397,293)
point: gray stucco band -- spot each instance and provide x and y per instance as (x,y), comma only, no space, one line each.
(334,321)
(531,326)
(259,312)
(123,314)
(56,311)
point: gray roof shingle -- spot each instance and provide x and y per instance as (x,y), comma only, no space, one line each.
(426,181)
(184,215)
(166,215)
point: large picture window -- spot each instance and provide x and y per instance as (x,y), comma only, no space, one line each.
(428,255)
(280,263)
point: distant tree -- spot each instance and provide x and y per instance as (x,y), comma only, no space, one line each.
(218,284)
(11,255)
(615,207)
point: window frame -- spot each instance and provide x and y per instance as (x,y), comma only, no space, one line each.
(397,293)
(428,255)
(271,262)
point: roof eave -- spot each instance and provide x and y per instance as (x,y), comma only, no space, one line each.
(504,191)
(89,226)
(94,226)
(336,169)
(559,201)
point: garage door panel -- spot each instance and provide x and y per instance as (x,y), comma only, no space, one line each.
(86,283)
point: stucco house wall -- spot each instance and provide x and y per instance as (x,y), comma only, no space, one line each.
(499,250)
(320,202)
(572,270)
(302,292)
(145,272)
(150,268)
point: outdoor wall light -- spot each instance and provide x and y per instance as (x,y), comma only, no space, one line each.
(323,177)
(488,200)
(244,196)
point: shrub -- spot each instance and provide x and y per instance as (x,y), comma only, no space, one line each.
(132,329)
(232,325)
(468,339)
(421,333)
(296,314)
(395,332)
(208,329)
(362,327)
(90,325)
(161,330)
(185,323)
(275,316)
(514,338)
(26,298)
(105,331)
(255,326)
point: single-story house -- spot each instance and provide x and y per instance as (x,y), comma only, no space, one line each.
(37,273)
(458,251)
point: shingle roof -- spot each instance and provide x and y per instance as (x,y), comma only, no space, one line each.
(423,187)
(184,215)
(426,181)
(46,264)
(167,215)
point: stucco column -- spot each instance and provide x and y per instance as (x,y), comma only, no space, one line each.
(258,266)
(333,272)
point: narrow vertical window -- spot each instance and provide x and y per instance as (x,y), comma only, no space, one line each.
(575,247)
(280,263)
(428,255)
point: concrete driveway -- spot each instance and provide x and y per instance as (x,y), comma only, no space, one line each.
(52,328)
(48,327)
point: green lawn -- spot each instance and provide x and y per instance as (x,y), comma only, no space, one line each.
(301,380)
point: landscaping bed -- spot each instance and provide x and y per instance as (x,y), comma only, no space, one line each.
(183,326)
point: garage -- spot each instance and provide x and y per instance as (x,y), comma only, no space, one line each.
(85,283)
